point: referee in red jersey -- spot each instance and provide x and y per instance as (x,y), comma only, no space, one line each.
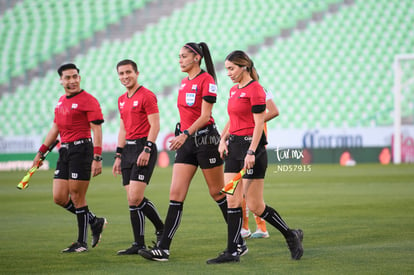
(243,146)
(136,153)
(76,114)
(196,142)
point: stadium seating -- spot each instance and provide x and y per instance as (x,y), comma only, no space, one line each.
(336,72)
(36,30)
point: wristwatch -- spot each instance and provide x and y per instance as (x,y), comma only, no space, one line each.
(187,133)
(250,152)
(147,150)
(97,158)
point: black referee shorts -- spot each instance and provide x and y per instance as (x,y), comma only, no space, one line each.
(201,149)
(234,161)
(129,167)
(75,160)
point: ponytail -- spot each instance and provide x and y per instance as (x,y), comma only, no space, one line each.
(208,60)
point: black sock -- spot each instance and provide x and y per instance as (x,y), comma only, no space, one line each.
(222,203)
(91,217)
(172,222)
(138,224)
(271,216)
(71,208)
(234,225)
(82,217)
(149,210)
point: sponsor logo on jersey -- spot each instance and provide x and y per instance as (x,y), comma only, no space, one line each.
(194,87)
(182,86)
(232,94)
(121,104)
(135,103)
(212,88)
(190,98)
(242,95)
(74,105)
(59,103)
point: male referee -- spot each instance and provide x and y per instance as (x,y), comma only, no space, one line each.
(76,114)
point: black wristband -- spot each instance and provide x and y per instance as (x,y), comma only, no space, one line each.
(119,150)
(149,144)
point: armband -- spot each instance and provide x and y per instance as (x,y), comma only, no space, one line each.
(43,149)
(119,150)
(97,150)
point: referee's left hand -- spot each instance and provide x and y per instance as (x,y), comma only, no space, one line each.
(249,161)
(143,159)
(96,168)
(177,142)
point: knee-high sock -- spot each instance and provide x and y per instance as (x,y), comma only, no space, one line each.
(271,216)
(234,225)
(138,224)
(71,208)
(149,210)
(82,217)
(172,222)
(222,203)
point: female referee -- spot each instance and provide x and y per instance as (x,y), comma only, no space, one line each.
(243,143)
(196,143)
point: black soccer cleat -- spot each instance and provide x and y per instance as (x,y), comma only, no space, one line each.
(76,247)
(295,244)
(97,227)
(133,250)
(155,254)
(242,248)
(225,257)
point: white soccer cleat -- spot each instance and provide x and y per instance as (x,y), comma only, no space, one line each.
(245,233)
(259,234)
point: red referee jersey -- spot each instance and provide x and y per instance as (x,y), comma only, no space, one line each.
(73,115)
(190,98)
(240,105)
(134,112)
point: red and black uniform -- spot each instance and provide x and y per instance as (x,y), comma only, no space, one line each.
(73,115)
(201,148)
(242,104)
(134,113)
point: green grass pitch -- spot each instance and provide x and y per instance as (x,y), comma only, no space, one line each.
(356,220)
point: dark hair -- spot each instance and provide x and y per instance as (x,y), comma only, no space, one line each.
(68,66)
(127,62)
(241,59)
(203,50)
